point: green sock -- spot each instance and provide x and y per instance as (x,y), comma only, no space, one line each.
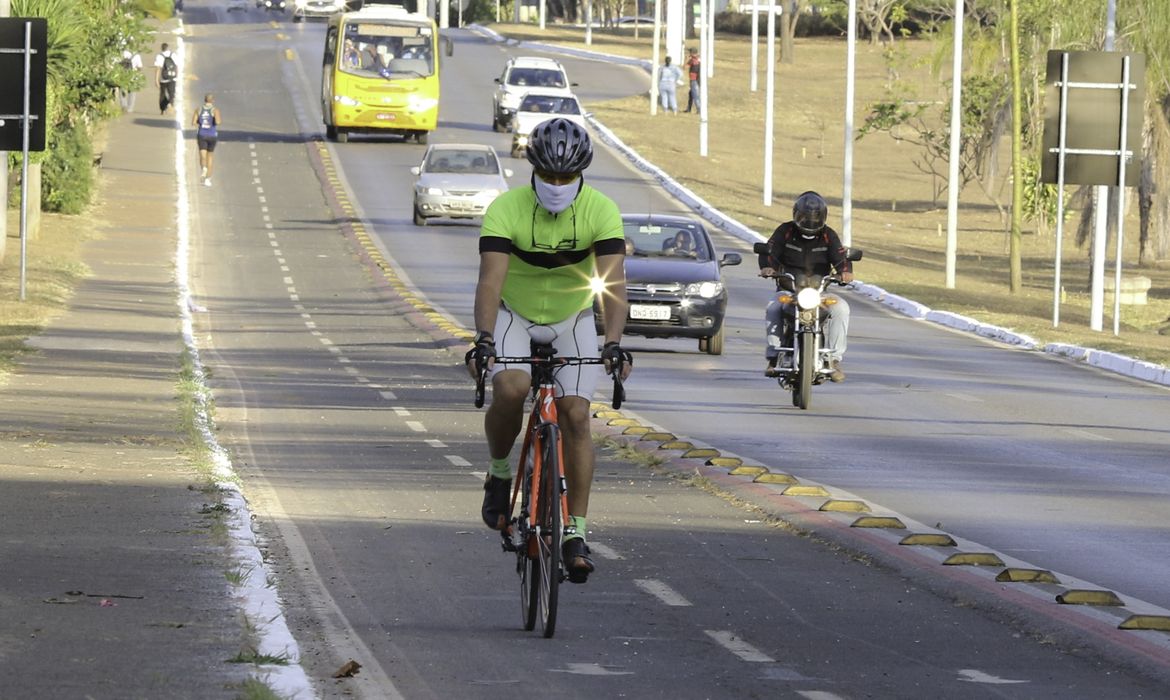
(500,468)
(577,523)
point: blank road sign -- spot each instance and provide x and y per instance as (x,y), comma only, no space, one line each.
(12,87)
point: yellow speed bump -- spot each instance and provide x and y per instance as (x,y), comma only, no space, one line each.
(744,470)
(636,430)
(973,559)
(658,436)
(1080,596)
(607,414)
(700,453)
(928,539)
(730,463)
(676,445)
(806,490)
(1160,623)
(622,422)
(775,478)
(843,506)
(1011,575)
(880,521)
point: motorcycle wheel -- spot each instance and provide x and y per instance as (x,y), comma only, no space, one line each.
(808,368)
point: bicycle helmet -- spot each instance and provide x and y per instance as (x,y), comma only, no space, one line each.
(559,147)
(809,213)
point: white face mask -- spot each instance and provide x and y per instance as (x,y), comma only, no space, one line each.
(555,198)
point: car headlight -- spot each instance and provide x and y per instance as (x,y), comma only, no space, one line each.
(419,103)
(521,139)
(347,100)
(808,298)
(707,290)
(436,191)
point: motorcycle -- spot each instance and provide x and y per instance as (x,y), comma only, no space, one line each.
(805,362)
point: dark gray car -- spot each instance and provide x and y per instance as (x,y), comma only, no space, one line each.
(674,280)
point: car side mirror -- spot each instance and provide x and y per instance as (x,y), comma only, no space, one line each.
(497,80)
(730,259)
(854,254)
(507,172)
(573,84)
(415,170)
(760,248)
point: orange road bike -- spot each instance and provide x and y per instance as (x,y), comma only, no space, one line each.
(537,531)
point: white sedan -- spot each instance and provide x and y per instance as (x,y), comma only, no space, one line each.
(536,107)
(457,180)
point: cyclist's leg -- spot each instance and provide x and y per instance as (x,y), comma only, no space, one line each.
(504,418)
(575,387)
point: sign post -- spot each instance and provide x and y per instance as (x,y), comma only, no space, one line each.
(1094,112)
(23,45)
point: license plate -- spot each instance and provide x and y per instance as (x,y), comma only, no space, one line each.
(649,312)
(384,116)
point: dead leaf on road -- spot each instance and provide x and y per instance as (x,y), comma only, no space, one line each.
(348,670)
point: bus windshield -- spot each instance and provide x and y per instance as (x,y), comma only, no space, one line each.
(391,51)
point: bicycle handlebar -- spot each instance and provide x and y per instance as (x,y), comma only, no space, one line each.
(619,390)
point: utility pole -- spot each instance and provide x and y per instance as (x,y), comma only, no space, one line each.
(5,11)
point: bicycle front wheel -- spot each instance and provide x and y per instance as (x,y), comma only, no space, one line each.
(527,561)
(549,529)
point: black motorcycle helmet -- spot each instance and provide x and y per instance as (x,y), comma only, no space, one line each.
(810,212)
(559,147)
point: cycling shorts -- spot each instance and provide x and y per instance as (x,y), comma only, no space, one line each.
(576,336)
(206,143)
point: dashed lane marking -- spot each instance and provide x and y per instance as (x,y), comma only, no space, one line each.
(605,552)
(733,643)
(416,426)
(457,461)
(662,592)
(1087,434)
(438,444)
(388,395)
(970,675)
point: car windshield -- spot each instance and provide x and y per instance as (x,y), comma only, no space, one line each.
(394,52)
(458,160)
(675,240)
(550,104)
(536,77)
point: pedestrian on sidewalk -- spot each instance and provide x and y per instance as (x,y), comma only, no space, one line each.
(166,77)
(207,120)
(669,77)
(694,72)
(128,92)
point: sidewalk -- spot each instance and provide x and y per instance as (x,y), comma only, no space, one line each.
(112,567)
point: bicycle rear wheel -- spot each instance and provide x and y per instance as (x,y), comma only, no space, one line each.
(549,530)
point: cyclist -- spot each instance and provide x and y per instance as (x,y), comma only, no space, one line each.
(540,247)
(806,247)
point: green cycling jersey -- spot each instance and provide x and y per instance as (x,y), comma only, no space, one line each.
(552,260)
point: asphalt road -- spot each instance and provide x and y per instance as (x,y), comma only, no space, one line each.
(354,433)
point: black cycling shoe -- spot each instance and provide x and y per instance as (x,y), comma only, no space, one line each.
(575,555)
(497,493)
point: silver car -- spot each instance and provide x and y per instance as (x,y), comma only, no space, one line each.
(537,107)
(457,180)
(303,9)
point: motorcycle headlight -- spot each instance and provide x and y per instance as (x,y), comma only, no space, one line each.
(808,298)
(707,290)
(347,100)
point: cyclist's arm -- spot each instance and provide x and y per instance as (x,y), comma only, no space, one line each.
(493,269)
(614,305)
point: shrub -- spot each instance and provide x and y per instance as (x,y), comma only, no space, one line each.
(67,175)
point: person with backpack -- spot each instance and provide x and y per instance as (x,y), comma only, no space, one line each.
(166,77)
(131,62)
(206,119)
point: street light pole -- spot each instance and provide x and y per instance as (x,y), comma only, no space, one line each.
(769,106)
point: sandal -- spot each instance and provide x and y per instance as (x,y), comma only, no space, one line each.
(575,555)
(497,495)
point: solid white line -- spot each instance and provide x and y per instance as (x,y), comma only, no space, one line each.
(818,695)
(732,643)
(458,461)
(662,592)
(416,426)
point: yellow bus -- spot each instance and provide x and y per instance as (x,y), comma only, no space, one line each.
(380,74)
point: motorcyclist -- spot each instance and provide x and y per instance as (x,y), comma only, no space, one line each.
(805,247)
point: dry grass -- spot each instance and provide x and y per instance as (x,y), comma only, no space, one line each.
(895,219)
(52,268)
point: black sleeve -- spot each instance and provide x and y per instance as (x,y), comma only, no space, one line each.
(494,244)
(837,253)
(610,246)
(770,259)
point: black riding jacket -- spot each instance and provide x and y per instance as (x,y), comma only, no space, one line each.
(790,251)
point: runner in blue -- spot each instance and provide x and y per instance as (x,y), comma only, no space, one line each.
(207,119)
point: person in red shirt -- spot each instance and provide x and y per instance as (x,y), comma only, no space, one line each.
(694,71)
